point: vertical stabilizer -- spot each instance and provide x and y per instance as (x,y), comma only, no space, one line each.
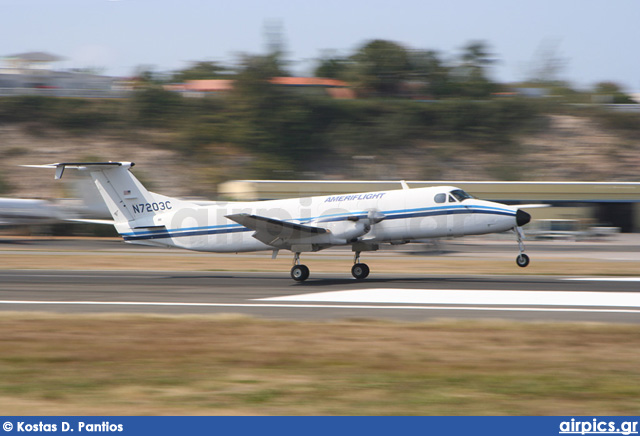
(128,201)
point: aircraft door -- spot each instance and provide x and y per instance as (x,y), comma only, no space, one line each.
(451,216)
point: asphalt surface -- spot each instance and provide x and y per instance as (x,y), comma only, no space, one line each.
(322,297)
(328,296)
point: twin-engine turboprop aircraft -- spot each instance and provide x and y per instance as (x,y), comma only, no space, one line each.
(363,220)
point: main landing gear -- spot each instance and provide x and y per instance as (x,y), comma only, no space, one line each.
(522,260)
(300,272)
(359,270)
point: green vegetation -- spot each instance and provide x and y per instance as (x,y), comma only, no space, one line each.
(4,185)
(74,115)
(200,71)
(298,129)
(383,68)
(405,97)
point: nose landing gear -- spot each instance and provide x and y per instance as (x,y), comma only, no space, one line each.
(522,260)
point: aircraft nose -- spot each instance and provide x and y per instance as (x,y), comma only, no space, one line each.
(522,217)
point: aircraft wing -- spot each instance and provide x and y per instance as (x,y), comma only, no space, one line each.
(532,206)
(272,231)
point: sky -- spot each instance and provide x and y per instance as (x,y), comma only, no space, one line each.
(596,40)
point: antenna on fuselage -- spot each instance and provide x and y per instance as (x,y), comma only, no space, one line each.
(404,184)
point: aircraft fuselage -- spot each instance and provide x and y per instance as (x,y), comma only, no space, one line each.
(375,217)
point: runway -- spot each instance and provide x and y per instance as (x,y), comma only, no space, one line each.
(327,296)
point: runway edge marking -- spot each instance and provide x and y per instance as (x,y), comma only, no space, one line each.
(465,297)
(602,279)
(318,306)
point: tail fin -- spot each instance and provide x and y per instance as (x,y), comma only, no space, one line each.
(128,201)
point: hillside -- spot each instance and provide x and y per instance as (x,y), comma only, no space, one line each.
(564,148)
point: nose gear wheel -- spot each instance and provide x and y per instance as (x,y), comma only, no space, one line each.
(522,260)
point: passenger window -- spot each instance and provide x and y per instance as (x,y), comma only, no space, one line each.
(440,198)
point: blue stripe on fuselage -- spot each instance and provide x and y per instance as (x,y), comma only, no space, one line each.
(164,234)
(389,215)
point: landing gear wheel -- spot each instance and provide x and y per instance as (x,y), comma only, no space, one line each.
(522,260)
(299,273)
(360,271)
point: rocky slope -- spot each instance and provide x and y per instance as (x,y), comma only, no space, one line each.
(570,148)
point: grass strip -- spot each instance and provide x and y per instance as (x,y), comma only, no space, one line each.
(229,365)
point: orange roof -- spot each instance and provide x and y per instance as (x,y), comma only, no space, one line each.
(341,93)
(335,88)
(209,85)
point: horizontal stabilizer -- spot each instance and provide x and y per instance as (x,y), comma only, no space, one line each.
(60,166)
(272,231)
(89,221)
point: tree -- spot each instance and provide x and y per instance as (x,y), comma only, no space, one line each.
(146,74)
(332,67)
(268,120)
(611,92)
(380,67)
(253,75)
(546,65)
(471,73)
(476,57)
(156,107)
(201,70)
(427,66)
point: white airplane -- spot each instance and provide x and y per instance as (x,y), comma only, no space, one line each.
(24,211)
(34,212)
(361,220)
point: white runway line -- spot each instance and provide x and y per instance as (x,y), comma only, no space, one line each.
(317,306)
(603,279)
(467,297)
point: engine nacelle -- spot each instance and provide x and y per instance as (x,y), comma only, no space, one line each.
(347,230)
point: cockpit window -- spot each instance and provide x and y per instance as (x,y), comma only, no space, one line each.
(460,194)
(452,200)
(440,198)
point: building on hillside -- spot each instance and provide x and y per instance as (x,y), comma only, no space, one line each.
(33,73)
(334,88)
(308,85)
(29,63)
(200,88)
